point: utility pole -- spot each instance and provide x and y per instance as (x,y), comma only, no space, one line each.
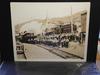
(44,24)
(45,21)
(72,31)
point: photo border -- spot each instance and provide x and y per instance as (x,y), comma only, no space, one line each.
(55,60)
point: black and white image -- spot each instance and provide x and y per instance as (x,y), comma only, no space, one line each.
(56,31)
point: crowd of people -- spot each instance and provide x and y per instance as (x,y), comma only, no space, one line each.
(54,41)
(51,39)
(58,40)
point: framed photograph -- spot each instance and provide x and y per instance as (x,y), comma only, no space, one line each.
(50,31)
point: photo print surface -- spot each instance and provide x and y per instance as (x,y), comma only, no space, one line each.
(50,31)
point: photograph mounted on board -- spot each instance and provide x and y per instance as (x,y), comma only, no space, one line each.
(44,31)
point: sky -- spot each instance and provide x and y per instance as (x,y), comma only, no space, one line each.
(21,11)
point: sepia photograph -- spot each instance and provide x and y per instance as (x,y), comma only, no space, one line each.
(56,31)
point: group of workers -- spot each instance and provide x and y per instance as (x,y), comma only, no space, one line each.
(52,40)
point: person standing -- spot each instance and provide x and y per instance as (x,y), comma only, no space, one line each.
(66,42)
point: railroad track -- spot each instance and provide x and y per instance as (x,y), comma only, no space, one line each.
(61,53)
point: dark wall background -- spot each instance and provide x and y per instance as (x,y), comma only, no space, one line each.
(94,31)
(6,46)
(6,43)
